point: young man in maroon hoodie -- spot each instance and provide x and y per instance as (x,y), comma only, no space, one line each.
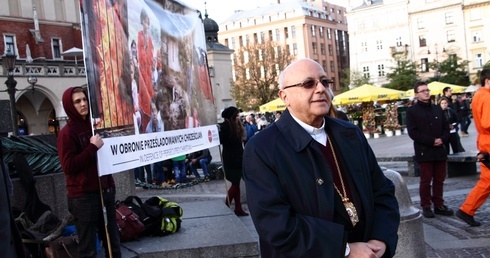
(77,150)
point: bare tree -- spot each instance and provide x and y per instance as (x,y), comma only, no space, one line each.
(256,73)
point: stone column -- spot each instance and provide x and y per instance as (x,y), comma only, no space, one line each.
(411,241)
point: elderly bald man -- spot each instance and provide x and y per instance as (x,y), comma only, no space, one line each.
(314,187)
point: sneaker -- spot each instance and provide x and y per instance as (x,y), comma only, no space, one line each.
(443,210)
(427,212)
(467,218)
(206,179)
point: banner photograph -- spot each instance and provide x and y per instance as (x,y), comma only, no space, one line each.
(147,77)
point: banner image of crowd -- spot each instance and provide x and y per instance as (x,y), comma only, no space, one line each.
(148,82)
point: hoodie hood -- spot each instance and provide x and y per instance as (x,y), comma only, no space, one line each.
(70,110)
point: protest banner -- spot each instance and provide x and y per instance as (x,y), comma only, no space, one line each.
(149,88)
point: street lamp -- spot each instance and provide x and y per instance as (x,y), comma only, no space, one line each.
(32,80)
(9,59)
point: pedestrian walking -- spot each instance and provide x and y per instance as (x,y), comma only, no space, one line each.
(481,114)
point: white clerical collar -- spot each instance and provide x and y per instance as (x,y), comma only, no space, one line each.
(318,134)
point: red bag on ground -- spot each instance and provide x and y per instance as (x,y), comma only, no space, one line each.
(130,227)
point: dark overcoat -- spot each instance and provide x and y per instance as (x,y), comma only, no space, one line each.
(425,123)
(291,196)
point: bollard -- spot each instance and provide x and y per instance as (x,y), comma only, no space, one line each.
(411,241)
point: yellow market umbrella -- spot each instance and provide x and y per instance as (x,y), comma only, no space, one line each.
(409,93)
(437,87)
(367,93)
(275,105)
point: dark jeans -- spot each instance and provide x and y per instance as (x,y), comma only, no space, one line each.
(455,143)
(432,173)
(159,174)
(465,123)
(89,220)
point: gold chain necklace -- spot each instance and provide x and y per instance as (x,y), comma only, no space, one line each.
(349,206)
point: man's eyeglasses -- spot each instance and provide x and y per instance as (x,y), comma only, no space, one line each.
(311,83)
(424,91)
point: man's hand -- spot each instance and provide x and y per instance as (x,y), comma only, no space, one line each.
(97,141)
(371,249)
(193,161)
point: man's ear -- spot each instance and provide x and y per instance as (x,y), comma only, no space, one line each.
(284,96)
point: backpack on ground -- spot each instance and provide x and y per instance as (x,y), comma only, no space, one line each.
(128,222)
(159,216)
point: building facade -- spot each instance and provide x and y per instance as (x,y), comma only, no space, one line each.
(307,29)
(38,32)
(422,31)
(46,37)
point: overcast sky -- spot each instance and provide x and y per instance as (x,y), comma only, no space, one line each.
(220,10)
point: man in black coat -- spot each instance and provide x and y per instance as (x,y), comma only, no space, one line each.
(429,130)
(314,187)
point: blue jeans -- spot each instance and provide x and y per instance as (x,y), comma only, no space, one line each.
(465,123)
(204,165)
(89,220)
(158,169)
(179,170)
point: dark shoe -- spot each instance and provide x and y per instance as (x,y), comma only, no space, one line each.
(443,210)
(241,213)
(206,179)
(467,218)
(427,212)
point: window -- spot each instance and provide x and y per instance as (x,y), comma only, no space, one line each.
(56,45)
(226,43)
(247,40)
(330,50)
(422,41)
(449,18)
(365,71)
(476,36)
(293,32)
(286,34)
(381,70)
(329,33)
(478,60)
(320,29)
(295,48)
(379,44)
(233,46)
(475,14)
(313,30)
(278,35)
(420,23)
(270,35)
(424,65)
(9,44)
(399,42)
(450,36)
(262,37)
(256,38)
(322,48)
(324,65)
(240,41)
(364,47)
(332,66)
(315,50)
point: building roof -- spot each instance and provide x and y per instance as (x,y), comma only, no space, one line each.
(304,9)
(368,3)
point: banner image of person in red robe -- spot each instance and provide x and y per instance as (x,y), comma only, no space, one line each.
(141,54)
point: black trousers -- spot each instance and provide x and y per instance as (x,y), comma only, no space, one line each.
(89,220)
